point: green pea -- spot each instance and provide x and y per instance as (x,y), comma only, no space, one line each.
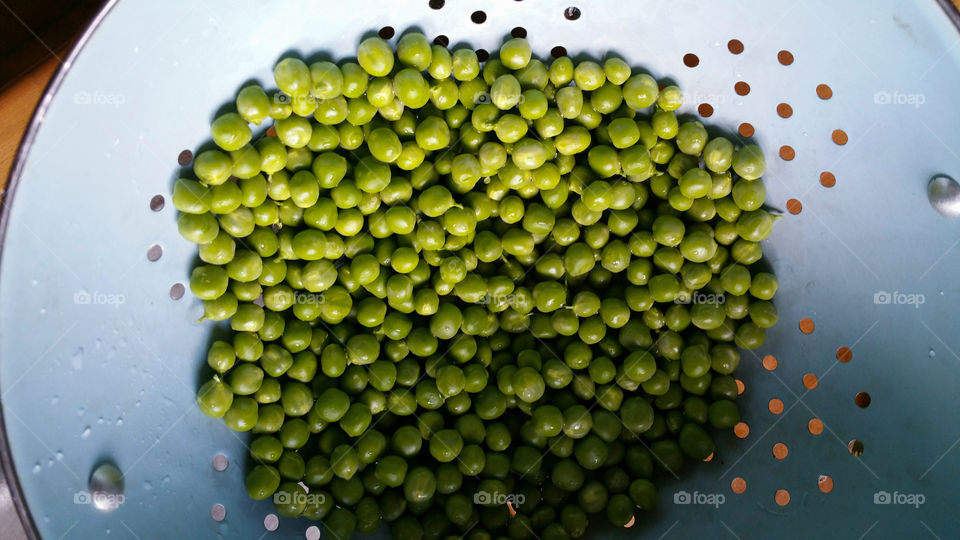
(441,63)
(755,226)
(748,162)
(414,50)
(692,138)
(262,482)
(231,132)
(569,101)
(466,65)
(375,56)
(515,53)
(505,92)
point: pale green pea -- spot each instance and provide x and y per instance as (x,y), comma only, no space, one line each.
(327,80)
(359,112)
(515,54)
(589,75)
(380,91)
(414,50)
(505,92)
(331,112)
(355,80)
(671,98)
(273,155)
(640,91)
(616,70)
(444,94)
(253,104)
(561,71)
(375,56)
(569,101)
(292,76)
(466,65)
(441,63)
(412,89)
(533,104)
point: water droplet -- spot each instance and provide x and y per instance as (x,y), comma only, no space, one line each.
(137,404)
(37,468)
(112,352)
(941,293)
(55,399)
(119,421)
(81,410)
(166,480)
(932,353)
(49,463)
(106,487)
(86,432)
(100,421)
(77,360)
(43,311)
(147,485)
(59,455)
(944,195)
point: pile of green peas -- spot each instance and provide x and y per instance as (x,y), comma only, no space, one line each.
(454,284)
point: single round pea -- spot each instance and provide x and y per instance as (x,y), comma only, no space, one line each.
(414,50)
(749,163)
(375,56)
(505,92)
(515,53)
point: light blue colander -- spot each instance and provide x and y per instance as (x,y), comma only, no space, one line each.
(99,364)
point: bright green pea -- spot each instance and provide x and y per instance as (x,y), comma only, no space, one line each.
(292,76)
(755,226)
(671,98)
(411,88)
(640,91)
(294,131)
(569,101)
(589,75)
(505,92)
(748,162)
(332,112)
(573,140)
(748,194)
(616,70)
(606,99)
(691,138)
(718,154)
(213,167)
(414,50)
(466,65)
(327,80)
(533,104)
(433,134)
(375,56)
(441,63)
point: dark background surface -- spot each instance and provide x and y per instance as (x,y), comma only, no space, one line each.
(35,30)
